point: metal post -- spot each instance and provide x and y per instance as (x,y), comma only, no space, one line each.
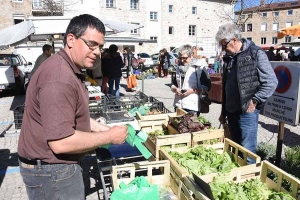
(279,144)
(143,82)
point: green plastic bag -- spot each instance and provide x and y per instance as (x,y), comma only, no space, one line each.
(138,189)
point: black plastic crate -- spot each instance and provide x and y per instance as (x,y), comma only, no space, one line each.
(18,116)
(153,103)
(129,102)
(117,117)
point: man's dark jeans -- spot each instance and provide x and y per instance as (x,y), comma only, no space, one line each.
(243,129)
(53,182)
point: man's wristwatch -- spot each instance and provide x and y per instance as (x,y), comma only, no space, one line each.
(254,101)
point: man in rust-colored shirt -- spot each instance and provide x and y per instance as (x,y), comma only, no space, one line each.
(57,130)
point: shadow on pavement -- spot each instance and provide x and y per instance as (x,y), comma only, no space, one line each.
(290,138)
(17,101)
(7,159)
(91,176)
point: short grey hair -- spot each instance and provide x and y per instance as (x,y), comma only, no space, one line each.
(186,49)
(228,32)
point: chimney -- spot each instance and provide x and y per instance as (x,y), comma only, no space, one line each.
(262,2)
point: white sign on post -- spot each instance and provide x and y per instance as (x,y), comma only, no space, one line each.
(283,105)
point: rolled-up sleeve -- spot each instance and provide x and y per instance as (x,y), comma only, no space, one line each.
(267,78)
(57,110)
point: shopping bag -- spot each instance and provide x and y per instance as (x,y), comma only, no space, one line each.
(226,130)
(131,81)
(204,104)
(138,189)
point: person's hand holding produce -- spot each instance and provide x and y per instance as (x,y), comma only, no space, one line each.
(118,134)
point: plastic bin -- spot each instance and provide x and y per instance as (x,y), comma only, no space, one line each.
(117,116)
(18,116)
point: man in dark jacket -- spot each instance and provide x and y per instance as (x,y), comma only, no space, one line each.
(248,80)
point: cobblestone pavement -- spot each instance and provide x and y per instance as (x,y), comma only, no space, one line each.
(12,186)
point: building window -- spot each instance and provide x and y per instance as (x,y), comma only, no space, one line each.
(242,27)
(171,30)
(274,40)
(288,24)
(288,39)
(19,1)
(134,4)
(194,10)
(249,38)
(264,14)
(249,27)
(37,3)
(135,31)
(170,8)
(153,15)
(275,26)
(290,12)
(243,17)
(263,27)
(192,30)
(276,14)
(110,3)
(263,40)
(153,38)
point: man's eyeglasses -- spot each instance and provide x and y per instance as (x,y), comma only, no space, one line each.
(92,45)
(225,45)
(183,58)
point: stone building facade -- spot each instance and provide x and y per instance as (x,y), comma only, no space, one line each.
(14,11)
(261,24)
(166,21)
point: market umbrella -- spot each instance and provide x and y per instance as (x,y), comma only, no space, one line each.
(292,30)
(16,34)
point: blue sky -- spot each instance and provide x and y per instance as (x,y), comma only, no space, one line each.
(251,3)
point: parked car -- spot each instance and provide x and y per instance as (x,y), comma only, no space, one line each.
(14,72)
(148,60)
(173,59)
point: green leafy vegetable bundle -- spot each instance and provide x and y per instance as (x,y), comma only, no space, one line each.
(223,188)
(203,161)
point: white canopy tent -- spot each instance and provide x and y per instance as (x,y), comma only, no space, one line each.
(16,34)
(49,28)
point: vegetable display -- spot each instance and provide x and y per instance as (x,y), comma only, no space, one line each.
(203,161)
(223,188)
(190,123)
(152,135)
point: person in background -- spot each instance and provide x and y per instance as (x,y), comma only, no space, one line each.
(247,84)
(111,66)
(160,62)
(47,51)
(293,57)
(128,56)
(57,130)
(278,55)
(190,81)
(166,62)
(284,55)
(270,54)
(104,88)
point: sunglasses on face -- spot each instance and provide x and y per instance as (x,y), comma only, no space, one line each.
(183,58)
(92,45)
(225,45)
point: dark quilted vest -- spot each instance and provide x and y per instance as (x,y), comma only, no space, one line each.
(247,76)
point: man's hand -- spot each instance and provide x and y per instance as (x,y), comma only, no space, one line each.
(177,91)
(118,134)
(222,119)
(192,91)
(251,107)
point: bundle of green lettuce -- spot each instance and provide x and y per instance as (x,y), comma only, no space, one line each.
(203,161)
(223,188)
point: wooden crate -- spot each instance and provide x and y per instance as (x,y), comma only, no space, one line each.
(228,145)
(171,140)
(207,136)
(262,171)
(164,178)
(179,112)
